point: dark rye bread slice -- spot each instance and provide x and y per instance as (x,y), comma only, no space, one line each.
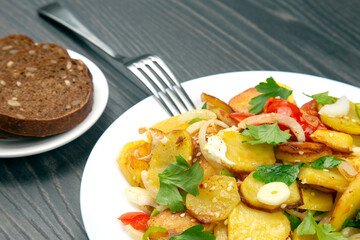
(45,98)
(34,54)
(11,44)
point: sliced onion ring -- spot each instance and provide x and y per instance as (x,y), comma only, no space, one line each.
(272,118)
(196,113)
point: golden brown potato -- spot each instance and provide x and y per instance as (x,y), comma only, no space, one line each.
(220,231)
(132,161)
(356,140)
(338,141)
(177,142)
(214,102)
(209,170)
(250,187)
(347,205)
(240,102)
(175,223)
(218,197)
(297,152)
(248,223)
(170,124)
(316,200)
(348,124)
(246,156)
(326,178)
(224,116)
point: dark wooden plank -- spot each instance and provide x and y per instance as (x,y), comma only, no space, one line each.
(39,195)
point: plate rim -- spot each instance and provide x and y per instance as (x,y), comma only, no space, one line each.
(101,96)
(83,187)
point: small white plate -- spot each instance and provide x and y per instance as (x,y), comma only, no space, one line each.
(10,148)
(102,196)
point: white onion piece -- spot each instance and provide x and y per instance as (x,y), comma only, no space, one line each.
(340,108)
(193,128)
(197,113)
(148,185)
(202,141)
(135,234)
(140,196)
(272,118)
(153,135)
(350,231)
(347,170)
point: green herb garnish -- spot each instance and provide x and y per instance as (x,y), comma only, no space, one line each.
(178,175)
(266,133)
(195,233)
(268,89)
(294,221)
(225,172)
(353,222)
(323,98)
(323,232)
(204,106)
(287,173)
(326,162)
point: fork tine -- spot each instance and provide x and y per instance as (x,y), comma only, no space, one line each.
(172,77)
(146,82)
(142,67)
(159,72)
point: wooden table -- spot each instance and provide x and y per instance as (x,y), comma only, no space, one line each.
(39,195)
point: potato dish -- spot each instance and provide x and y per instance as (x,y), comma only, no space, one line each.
(257,167)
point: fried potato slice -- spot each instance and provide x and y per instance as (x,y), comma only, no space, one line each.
(170,124)
(214,102)
(297,152)
(176,142)
(246,157)
(328,178)
(240,102)
(175,223)
(218,197)
(250,187)
(248,223)
(132,161)
(338,141)
(220,231)
(347,205)
(316,200)
(348,124)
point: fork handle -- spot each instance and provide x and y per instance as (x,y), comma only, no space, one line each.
(55,12)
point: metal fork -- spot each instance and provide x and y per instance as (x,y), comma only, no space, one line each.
(149,69)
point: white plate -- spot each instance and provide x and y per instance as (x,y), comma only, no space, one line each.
(31,146)
(102,188)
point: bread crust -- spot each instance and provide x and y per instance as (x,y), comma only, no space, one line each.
(11,44)
(33,54)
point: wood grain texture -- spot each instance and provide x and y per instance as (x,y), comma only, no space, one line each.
(39,195)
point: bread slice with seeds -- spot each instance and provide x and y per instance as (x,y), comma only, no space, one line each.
(33,54)
(45,98)
(11,44)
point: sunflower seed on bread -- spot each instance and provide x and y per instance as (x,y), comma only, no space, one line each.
(11,44)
